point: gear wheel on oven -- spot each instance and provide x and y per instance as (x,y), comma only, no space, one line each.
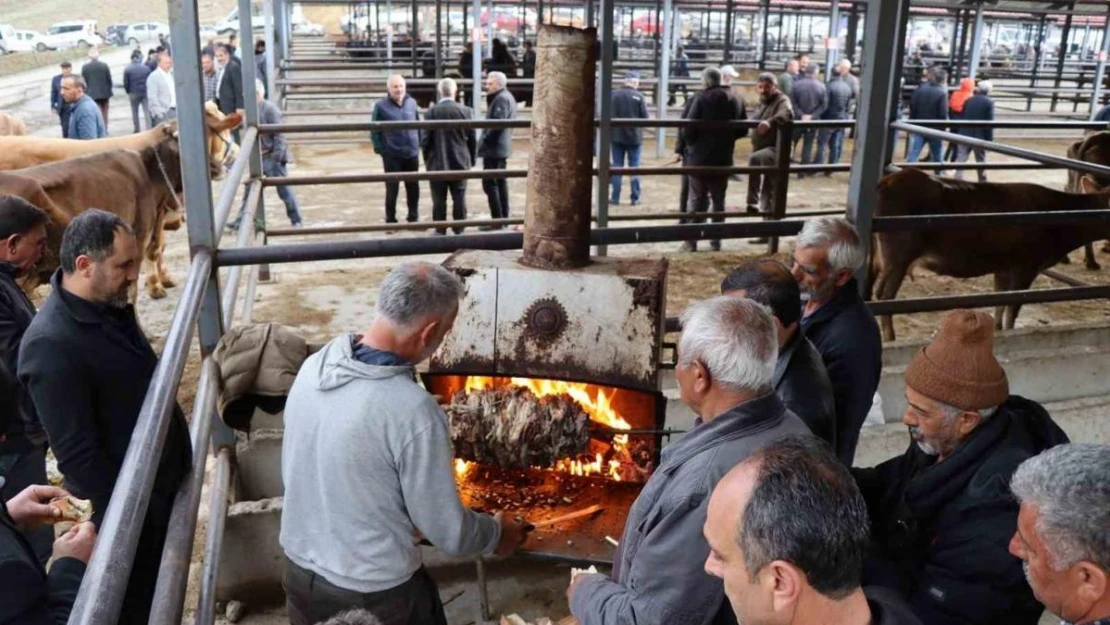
(545,319)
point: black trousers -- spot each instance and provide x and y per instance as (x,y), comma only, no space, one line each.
(457,188)
(497,189)
(393,189)
(148,558)
(705,190)
(311,599)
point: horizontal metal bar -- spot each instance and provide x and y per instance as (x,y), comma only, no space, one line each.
(105,582)
(988,220)
(986,300)
(1010,123)
(931,166)
(484,174)
(1032,155)
(501,124)
(222,208)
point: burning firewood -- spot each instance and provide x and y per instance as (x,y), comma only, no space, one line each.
(512,427)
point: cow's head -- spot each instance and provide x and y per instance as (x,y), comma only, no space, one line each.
(1095,148)
(221,148)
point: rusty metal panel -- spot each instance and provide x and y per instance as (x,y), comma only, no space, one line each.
(600,323)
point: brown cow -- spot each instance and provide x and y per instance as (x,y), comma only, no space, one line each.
(1014,254)
(1093,148)
(23,152)
(10,125)
(141,187)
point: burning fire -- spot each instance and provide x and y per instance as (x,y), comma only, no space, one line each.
(596,406)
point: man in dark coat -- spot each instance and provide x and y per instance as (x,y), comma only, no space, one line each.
(58,104)
(942,514)
(826,254)
(87,365)
(98,77)
(399,149)
(449,150)
(28,594)
(801,381)
(496,144)
(23,443)
(929,101)
(810,99)
(229,84)
(528,60)
(705,147)
(628,103)
(840,96)
(134,83)
(978,107)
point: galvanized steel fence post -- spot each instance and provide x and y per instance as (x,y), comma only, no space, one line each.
(784,139)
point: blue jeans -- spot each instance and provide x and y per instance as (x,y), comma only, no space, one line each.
(917,143)
(834,138)
(272,167)
(808,137)
(619,153)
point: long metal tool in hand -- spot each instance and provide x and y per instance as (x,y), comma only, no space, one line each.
(566,517)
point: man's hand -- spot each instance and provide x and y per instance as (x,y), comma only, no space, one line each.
(676,159)
(806,118)
(764,127)
(576,580)
(512,535)
(77,543)
(30,508)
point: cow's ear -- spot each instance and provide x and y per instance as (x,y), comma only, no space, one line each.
(1088,184)
(228,123)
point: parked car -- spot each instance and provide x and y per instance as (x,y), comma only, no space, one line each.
(145,31)
(7,39)
(309,28)
(645,25)
(114,34)
(80,34)
(509,21)
(25,41)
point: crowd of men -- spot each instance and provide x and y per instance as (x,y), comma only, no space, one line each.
(970,102)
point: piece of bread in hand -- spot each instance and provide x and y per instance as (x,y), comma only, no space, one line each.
(73,510)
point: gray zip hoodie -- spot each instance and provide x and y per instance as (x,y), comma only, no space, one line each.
(367,464)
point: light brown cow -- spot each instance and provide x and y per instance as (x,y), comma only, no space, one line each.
(23,152)
(141,187)
(1014,254)
(10,125)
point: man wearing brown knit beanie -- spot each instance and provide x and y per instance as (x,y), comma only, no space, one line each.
(942,513)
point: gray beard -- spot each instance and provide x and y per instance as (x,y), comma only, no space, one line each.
(925,448)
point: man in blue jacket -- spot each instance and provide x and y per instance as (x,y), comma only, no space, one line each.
(929,101)
(978,107)
(134,83)
(399,149)
(810,100)
(85,121)
(58,104)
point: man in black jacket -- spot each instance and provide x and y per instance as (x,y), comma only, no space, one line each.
(800,381)
(98,77)
(710,147)
(929,101)
(826,254)
(496,145)
(978,107)
(810,99)
(528,60)
(23,444)
(628,103)
(134,83)
(87,365)
(58,104)
(28,594)
(449,150)
(229,84)
(840,96)
(942,514)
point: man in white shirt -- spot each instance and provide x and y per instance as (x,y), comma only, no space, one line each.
(160,94)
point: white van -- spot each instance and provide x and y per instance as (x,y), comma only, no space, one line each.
(230,24)
(80,33)
(7,39)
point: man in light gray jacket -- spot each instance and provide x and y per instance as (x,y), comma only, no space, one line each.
(726,365)
(367,466)
(161,96)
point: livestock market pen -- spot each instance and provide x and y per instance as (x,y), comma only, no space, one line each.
(319,83)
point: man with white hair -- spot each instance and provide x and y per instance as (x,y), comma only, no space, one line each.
(827,253)
(98,78)
(628,103)
(399,149)
(449,149)
(942,512)
(366,463)
(726,365)
(1061,535)
(496,145)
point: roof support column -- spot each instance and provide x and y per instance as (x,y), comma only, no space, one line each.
(976,42)
(1100,71)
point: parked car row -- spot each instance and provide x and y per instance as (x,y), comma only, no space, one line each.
(60,36)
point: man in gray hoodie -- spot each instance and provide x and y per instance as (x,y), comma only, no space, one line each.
(367,466)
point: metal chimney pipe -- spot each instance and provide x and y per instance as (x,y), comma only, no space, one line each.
(560,178)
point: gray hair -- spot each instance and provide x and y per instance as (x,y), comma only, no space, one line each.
(78,82)
(415,291)
(735,340)
(353,617)
(711,77)
(447,88)
(1067,485)
(844,64)
(985,87)
(768,77)
(811,69)
(951,412)
(499,78)
(845,251)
